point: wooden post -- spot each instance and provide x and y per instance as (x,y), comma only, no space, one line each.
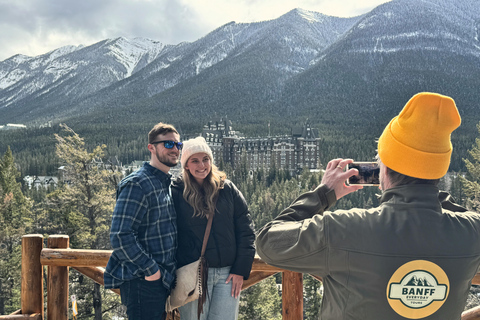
(31,299)
(292,295)
(57,283)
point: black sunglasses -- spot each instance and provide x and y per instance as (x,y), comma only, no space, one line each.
(169,144)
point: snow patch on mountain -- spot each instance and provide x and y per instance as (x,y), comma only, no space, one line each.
(63,51)
(310,16)
(51,56)
(18,58)
(128,53)
(59,68)
(13,77)
(212,55)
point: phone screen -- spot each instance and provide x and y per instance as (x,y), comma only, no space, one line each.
(368,173)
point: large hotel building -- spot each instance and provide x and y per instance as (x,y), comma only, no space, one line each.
(293,153)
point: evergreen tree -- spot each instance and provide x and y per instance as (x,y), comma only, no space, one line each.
(456,189)
(312,297)
(15,221)
(82,208)
(471,183)
(261,302)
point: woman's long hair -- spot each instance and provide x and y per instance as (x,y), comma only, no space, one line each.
(202,198)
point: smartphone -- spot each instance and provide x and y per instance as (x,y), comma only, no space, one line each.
(368,173)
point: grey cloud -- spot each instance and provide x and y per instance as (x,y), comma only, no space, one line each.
(23,21)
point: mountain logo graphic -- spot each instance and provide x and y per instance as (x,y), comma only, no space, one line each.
(417,289)
(420,282)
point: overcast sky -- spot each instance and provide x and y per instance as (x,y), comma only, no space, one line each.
(34,27)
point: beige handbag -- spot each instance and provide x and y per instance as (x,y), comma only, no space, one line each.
(191,280)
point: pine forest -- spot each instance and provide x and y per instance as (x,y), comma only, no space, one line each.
(82,209)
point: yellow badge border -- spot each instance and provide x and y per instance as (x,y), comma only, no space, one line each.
(418,265)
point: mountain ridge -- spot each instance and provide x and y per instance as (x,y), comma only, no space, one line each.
(298,65)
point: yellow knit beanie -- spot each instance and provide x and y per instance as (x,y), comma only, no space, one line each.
(417,142)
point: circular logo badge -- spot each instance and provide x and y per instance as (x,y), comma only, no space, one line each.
(417,289)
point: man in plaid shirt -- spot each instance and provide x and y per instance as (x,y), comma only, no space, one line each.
(144,232)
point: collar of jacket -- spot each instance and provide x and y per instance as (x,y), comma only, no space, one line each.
(412,193)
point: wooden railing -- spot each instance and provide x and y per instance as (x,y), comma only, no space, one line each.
(58,258)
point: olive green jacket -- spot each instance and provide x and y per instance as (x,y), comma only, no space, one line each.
(409,258)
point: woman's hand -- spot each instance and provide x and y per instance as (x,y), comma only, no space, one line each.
(237,283)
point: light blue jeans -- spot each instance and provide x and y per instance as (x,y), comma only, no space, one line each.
(220,304)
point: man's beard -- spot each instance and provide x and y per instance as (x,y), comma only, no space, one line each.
(166,161)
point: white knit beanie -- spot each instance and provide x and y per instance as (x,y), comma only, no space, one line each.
(192,146)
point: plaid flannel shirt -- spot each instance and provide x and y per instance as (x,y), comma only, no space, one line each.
(144,231)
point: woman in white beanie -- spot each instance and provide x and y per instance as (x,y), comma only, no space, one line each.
(203,190)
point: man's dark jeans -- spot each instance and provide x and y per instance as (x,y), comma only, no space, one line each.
(145,300)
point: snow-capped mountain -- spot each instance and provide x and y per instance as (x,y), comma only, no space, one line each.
(54,84)
(398,49)
(301,65)
(20,67)
(68,73)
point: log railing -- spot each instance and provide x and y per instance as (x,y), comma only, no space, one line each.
(58,258)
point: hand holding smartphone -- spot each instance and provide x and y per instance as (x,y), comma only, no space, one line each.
(368,174)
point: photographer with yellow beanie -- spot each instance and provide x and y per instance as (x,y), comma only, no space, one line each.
(414,256)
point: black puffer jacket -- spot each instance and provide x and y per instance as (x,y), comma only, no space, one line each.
(231,241)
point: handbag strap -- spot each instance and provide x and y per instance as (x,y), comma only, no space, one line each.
(207,234)
(207,230)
